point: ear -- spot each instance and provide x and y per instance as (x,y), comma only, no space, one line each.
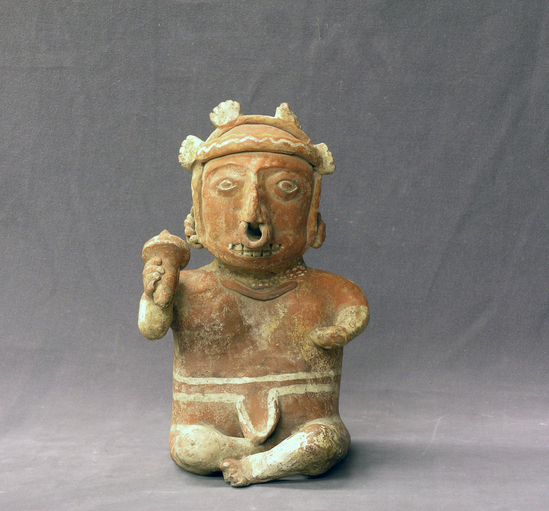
(193,239)
(320,234)
(192,223)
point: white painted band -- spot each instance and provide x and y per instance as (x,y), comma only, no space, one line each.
(256,379)
(284,141)
(235,398)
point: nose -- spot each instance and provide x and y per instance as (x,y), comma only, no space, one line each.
(254,229)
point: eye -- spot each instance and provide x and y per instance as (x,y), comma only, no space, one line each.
(287,186)
(226,184)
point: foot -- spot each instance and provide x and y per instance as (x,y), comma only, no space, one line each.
(236,472)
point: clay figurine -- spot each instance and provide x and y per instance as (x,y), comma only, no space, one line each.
(258,335)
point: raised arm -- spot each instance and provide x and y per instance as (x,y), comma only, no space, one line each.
(154,321)
(164,255)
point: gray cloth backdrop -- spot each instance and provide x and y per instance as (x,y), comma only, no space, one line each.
(437,114)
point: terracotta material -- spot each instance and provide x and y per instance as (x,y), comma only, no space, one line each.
(258,335)
(173,254)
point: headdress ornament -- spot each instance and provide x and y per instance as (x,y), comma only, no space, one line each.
(237,133)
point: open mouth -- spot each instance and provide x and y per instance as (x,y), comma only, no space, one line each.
(266,251)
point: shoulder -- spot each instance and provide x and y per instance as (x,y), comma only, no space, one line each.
(343,292)
(199,281)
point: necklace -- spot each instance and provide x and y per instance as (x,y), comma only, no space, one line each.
(266,288)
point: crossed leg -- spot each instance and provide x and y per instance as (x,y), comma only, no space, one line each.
(202,449)
(312,450)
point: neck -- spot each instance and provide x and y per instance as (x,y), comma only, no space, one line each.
(266,278)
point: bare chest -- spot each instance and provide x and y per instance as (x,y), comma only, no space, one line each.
(223,333)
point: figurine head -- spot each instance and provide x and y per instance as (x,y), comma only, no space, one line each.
(256,188)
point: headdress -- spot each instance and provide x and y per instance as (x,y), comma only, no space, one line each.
(237,133)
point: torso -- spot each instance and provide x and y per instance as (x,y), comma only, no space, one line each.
(238,345)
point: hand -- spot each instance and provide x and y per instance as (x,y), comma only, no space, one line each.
(330,337)
(152,274)
(173,254)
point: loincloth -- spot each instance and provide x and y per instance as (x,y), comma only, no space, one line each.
(253,406)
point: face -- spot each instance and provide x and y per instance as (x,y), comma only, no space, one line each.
(255,209)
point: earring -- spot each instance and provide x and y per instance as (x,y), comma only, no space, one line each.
(193,239)
(320,234)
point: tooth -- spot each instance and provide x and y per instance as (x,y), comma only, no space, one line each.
(230,246)
(238,247)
